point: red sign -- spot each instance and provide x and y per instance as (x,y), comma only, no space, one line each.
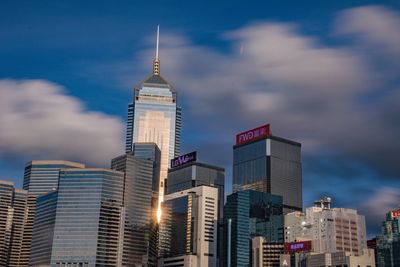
(297,246)
(395,213)
(254,134)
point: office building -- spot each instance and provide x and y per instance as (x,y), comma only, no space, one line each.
(6,217)
(388,242)
(43,230)
(41,176)
(187,172)
(153,116)
(89,218)
(249,214)
(330,229)
(340,258)
(188,229)
(15,221)
(267,163)
(264,253)
(142,170)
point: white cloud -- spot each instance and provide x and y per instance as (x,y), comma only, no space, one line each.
(38,120)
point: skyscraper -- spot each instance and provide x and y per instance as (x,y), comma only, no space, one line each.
(88,221)
(41,176)
(187,172)
(249,214)
(142,170)
(267,163)
(15,225)
(388,242)
(153,116)
(188,229)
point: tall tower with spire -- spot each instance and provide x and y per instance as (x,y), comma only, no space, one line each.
(154,116)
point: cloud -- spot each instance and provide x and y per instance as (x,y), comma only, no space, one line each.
(38,120)
(383,200)
(376,27)
(332,98)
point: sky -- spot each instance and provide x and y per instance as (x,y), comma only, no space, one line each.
(323,73)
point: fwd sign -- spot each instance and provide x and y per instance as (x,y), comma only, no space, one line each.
(254,134)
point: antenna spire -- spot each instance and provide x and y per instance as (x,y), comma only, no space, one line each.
(156,62)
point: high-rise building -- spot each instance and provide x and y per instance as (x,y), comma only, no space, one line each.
(329,229)
(267,163)
(43,230)
(89,218)
(264,253)
(188,229)
(153,116)
(142,169)
(186,172)
(388,242)
(41,176)
(249,214)
(6,217)
(15,221)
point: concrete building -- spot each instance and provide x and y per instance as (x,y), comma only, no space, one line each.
(330,229)
(188,229)
(267,163)
(265,254)
(153,116)
(341,258)
(187,172)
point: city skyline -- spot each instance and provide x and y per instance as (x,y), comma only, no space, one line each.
(349,144)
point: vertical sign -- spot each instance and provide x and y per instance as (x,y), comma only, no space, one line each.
(284,260)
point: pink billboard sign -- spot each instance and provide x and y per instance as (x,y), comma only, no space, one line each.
(253,134)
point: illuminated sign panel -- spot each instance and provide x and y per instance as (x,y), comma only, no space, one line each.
(254,134)
(297,246)
(395,213)
(181,160)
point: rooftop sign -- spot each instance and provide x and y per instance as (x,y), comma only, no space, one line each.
(395,213)
(254,134)
(181,160)
(297,246)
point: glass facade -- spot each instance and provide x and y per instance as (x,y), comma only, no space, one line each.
(388,242)
(154,116)
(6,216)
(141,170)
(252,214)
(88,219)
(43,229)
(41,176)
(271,165)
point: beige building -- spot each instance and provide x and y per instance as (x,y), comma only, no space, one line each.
(188,229)
(265,254)
(367,259)
(329,229)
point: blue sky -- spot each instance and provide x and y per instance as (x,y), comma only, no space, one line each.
(324,73)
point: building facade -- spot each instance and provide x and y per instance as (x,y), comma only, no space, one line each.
(188,229)
(191,174)
(270,164)
(43,230)
(41,176)
(153,116)
(249,214)
(89,218)
(264,253)
(330,229)
(388,242)
(142,171)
